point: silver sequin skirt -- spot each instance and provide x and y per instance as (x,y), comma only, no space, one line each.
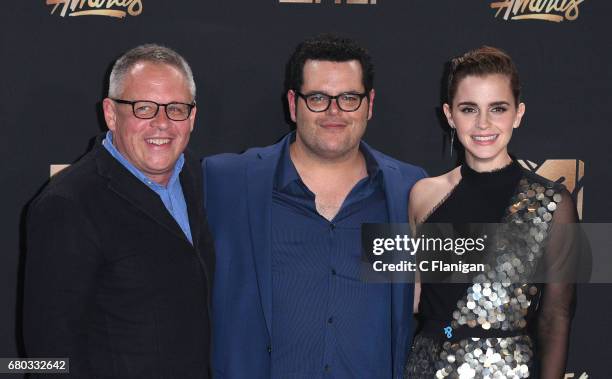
(509,357)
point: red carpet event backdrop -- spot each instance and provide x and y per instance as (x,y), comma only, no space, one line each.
(57,54)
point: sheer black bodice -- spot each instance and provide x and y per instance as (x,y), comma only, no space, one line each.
(517,329)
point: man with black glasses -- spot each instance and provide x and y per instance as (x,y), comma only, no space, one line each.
(286,221)
(119,258)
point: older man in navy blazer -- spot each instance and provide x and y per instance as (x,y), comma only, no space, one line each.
(288,301)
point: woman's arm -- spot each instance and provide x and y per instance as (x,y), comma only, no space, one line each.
(558,298)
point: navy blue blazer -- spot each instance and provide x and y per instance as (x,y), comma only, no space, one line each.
(238,198)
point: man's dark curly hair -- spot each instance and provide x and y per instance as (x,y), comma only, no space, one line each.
(328,47)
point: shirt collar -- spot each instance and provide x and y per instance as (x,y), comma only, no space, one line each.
(286,172)
(178,166)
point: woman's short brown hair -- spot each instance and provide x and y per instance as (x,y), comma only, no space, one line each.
(485,60)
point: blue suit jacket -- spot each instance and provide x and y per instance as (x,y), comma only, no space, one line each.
(238,197)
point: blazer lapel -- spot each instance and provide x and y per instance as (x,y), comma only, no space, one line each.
(397,200)
(124,184)
(191,190)
(401,293)
(260,183)
(260,176)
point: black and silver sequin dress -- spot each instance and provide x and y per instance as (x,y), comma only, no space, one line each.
(494,319)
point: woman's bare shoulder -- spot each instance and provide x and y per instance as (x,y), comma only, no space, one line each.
(428,193)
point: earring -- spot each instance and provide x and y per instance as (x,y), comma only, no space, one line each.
(452,140)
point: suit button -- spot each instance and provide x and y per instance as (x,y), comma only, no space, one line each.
(327,368)
(333,272)
(330,320)
(269,349)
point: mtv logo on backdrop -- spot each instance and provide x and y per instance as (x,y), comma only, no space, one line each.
(571,375)
(568,172)
(366,2)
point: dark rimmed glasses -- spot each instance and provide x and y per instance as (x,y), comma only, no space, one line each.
(146,109)
(320,102)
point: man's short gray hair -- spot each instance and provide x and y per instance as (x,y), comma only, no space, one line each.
(148,53)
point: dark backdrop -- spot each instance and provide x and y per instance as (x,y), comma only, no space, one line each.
(55,67)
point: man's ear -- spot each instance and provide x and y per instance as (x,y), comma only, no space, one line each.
(192,118)
(291,101)
(110,113)
(371,103)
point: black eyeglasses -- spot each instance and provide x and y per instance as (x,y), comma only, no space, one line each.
(146,109)
(320,102)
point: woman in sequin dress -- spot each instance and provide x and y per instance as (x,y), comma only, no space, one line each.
(497,325)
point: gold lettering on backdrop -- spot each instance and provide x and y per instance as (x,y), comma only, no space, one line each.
(299,1)
(109,8)
(55,168)
(548,10)
(337,2)
(569,172)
